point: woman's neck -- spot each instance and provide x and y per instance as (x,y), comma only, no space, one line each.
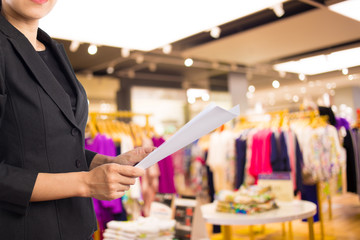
(27,27)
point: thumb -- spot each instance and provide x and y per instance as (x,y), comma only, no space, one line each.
(144,150)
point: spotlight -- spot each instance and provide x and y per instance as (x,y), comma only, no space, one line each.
(110,70)
(139,59)
(152,67)
(74,46)
(92,49)
(167,49)
(125,52)
(215,32)
(276,84)
(295,98)
(302,77)
(278,10)
(251,88)
(188,62)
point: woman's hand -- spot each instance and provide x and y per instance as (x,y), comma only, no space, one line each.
(109,181)
(129,158)
(134,156)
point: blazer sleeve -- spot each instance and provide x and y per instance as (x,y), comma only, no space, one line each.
(89,155)
(16,184)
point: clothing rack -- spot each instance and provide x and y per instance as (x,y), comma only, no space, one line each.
(278,119)
(119,114)
(95,116)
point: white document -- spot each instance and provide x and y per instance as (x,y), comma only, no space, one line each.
(206,121)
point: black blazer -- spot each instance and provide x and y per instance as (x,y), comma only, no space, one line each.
(39,133)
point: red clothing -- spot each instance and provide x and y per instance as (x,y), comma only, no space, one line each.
(260,157)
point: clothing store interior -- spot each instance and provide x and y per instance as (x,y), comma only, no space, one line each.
(286,167)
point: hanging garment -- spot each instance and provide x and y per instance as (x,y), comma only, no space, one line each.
(240,161)
(221,159)
(357,159)
(299,166)
(260,154)
(166,178)
(351,177)
(290,140)
(322,153)
(279,156)
(105,210)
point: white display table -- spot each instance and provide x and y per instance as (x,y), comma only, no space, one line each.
(287,211)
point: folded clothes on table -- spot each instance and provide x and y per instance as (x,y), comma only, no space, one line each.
(142,229)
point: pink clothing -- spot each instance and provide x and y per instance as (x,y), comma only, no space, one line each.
(260,157)
(166,178)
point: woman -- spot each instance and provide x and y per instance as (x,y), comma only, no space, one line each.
(47,179)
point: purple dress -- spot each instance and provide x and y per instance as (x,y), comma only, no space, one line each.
(105,210)
(166,178)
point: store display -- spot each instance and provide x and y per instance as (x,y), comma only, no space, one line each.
(209,119)
(149,228)
(247,200)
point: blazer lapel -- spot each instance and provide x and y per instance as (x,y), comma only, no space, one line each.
(69,72)
(44,77)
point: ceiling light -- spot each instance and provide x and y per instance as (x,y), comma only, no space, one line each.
(329,86)
(332,92)
(152,67)
(303,90)
(167,49)
(92,49)
(99,20)
(322,63)
(251,88)
(74,46)
(349,8)
(188,62)
(278,9)
(311,84)
(215,32)
(345,71)
(351,77)
(295,98)
(249,95)
(302,77)
(191,100)
(205,97)
(139,59)
(193,93)
(110,70)
(125,52)
(276,84)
